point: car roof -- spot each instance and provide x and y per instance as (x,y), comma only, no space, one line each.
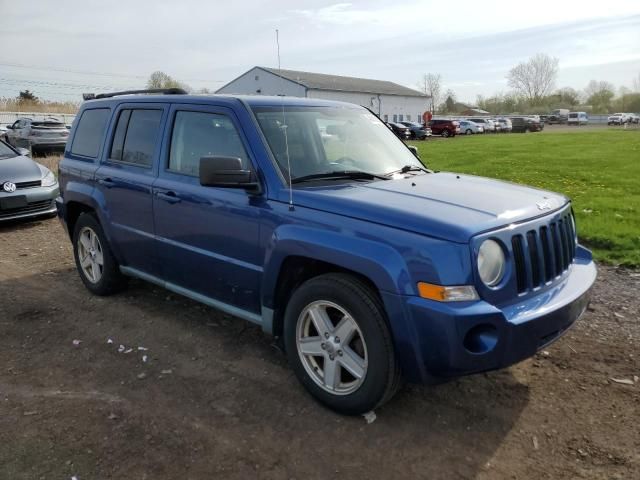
(251,100)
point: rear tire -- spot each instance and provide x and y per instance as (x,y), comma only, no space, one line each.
(351,375)
(468,131)
(98,269)
(445,133)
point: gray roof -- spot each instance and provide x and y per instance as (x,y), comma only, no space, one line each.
(321,81)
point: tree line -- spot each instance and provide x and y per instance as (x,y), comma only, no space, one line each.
(533,90)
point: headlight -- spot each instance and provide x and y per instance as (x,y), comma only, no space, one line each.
(49,179)
(491,262)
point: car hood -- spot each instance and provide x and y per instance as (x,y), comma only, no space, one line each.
(445,205)
(19,169)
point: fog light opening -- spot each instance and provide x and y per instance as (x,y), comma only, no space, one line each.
(481,339)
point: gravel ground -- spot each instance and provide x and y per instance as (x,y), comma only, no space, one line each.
(215,398)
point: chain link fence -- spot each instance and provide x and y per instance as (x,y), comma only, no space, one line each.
(8,118)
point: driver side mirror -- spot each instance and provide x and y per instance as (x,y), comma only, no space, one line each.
(226,172)
(9,127)
(414,150)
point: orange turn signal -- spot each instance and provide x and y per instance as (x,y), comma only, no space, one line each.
(440,293)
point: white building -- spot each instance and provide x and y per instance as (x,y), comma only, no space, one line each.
(392,102)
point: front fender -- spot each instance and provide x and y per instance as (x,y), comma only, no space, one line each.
(378,262)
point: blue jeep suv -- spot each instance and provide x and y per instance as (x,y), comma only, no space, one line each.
(311,219)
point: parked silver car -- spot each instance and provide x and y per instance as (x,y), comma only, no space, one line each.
(488,124)
(469,128)
(27,189)
(38,135)
(505,124)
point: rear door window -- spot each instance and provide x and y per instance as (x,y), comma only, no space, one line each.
(135,137)
(90,132)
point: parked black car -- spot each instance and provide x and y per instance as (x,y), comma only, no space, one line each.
(525,124)
(402,132)
(418,131)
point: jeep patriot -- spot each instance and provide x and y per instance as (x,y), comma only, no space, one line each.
(313,220)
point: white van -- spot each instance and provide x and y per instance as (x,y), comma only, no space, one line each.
(578,118)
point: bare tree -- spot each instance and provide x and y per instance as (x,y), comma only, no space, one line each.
(568,96)
(599,95)
(636,83)
(534,78)
(431,84)
(160,79)
(450,101)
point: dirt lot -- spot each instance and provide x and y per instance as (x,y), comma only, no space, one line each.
(215,399)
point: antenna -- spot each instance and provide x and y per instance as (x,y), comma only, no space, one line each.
(284,127)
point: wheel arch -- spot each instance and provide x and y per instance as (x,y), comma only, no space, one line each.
(299,253)
(73,211)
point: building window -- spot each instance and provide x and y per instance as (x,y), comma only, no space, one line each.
(257,77)
(401,117)
(395,118)
(386,118)
(408,118)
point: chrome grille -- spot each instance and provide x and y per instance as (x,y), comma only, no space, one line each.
(544,253)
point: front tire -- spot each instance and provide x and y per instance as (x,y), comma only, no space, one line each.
(468,131)
(339,345)
(445,133)
(98,269)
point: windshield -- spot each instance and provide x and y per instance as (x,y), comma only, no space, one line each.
(6,152)
(330,139)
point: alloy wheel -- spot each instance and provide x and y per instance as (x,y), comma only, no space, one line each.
(90,255)
(331,347)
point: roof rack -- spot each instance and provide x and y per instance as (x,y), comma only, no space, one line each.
(164,91)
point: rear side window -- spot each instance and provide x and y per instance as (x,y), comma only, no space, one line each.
(199,134)
(90,132)
(135,137)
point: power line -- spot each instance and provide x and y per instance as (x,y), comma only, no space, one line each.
(102,74)
(71,86)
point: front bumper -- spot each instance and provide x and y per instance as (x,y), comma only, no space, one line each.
(28,202)
(452,339)
(44,142)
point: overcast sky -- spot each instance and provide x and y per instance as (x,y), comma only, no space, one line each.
(59,49)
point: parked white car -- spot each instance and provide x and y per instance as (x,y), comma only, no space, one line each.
(578,118)
(486,123)
(470,128)
(37,135)
(619,119)
(505,124)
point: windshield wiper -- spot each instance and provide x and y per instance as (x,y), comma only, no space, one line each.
(340,175)
(407,169)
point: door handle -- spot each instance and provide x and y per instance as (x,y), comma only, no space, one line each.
(169,196)
(106,182)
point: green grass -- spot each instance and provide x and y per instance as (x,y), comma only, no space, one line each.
(599,170)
